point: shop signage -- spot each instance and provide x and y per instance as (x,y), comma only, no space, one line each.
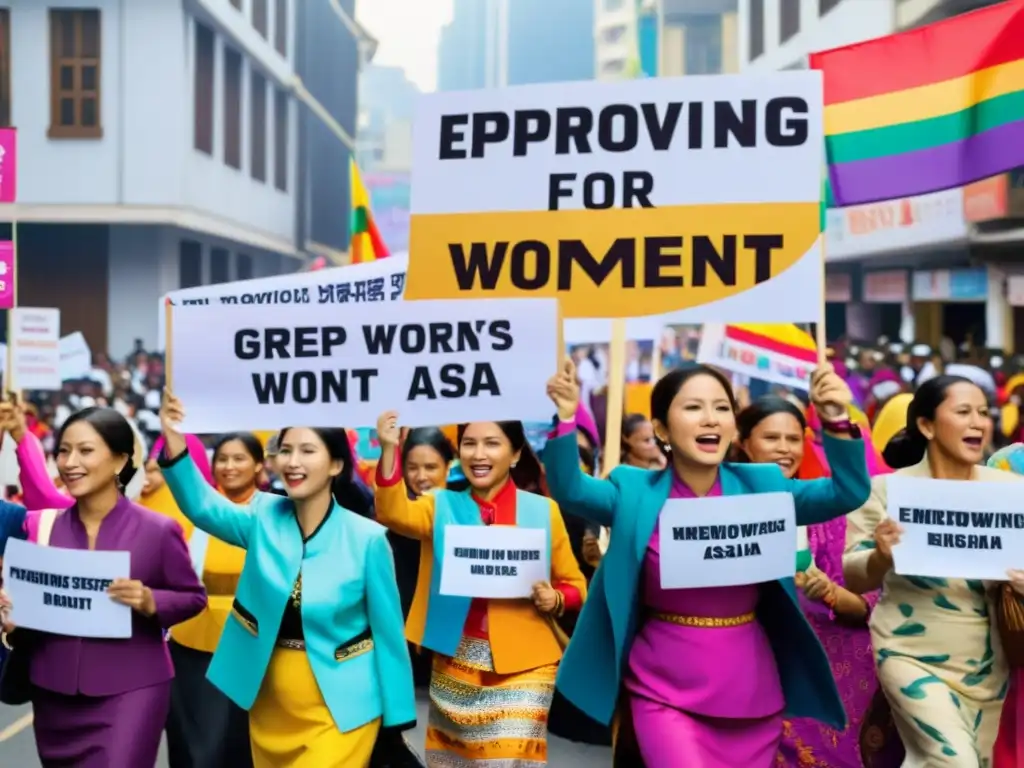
(838,288)
(895,225)
(1016,185)
(887,287)
(1015,290)
(988,199)
(967,285)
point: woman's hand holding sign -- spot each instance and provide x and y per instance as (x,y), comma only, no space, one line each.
(389,437)
(564,391)
(830,395)
(134,594)
(546,598)
(6,626)
(887,536)
(172,413)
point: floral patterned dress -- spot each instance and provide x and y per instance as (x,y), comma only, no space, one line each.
(937,651)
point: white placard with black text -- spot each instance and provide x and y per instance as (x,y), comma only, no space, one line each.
(64,591)
(372,284)
(35,349)
(493,561)
(436,362)
(956,529)
(726,541)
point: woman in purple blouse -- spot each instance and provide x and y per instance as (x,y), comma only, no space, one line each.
(102,703)
(773,431)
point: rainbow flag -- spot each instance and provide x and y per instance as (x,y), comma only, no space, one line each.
(367,244)
(925,110)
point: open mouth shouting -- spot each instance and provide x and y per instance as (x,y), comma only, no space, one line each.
(709,443)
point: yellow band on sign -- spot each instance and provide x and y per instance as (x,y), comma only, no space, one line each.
(629,262)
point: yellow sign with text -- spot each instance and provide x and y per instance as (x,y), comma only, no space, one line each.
(625,262)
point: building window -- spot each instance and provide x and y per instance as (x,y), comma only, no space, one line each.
(244,267)
(789,19)
(5,68)
(219,266)
(613,67)
(190,264)
(281,27)
(204,89)
(281,140)
(75,74)
(233,108)
(756,31)
(824,6)
(613,35)
(258,120)
(260,16)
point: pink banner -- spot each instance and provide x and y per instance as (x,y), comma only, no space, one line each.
(6,274)
(8,165)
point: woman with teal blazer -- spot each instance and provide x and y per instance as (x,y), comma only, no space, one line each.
(314,648)
(706,674)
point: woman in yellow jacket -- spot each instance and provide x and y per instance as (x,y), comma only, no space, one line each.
(494,660)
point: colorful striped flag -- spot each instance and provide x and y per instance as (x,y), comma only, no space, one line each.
(367,244)
(925,110)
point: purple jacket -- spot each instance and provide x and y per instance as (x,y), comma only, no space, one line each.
(160,560)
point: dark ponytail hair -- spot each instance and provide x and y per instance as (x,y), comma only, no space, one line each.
(527,473)
(247,439)
(909,445)
(759,410)
(345,488)
(116,433)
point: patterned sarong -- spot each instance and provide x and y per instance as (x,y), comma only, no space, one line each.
(480,718)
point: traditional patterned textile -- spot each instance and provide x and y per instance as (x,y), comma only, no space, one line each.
(478,716)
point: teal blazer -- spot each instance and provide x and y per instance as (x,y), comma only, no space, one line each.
(351,612)
(629,502)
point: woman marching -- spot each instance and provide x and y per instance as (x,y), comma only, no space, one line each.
(98,702)
(205,729)
(772,430)
(314,648)
(708,673)
(494,660)
(941,667)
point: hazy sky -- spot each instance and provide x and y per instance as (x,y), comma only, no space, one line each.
(408,31)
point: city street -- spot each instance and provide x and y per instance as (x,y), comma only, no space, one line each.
(17,747)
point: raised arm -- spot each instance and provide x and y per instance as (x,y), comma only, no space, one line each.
(413,518)
(828,497)
(864,566)
(179,595)
(37,487)
(197,500)
(391,653)
(584,496)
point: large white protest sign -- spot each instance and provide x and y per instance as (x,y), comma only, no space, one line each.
(244,367)
(727,540)
(375,282)
(626,198)
(64,591)
(35,348)
(736,349)
(496,561)
(956,529)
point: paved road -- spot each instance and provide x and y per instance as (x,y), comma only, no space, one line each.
(18,748)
